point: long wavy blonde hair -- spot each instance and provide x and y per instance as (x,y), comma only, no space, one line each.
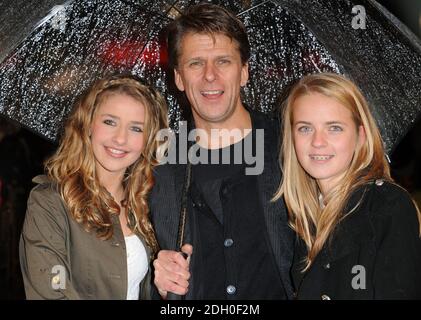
(73,165)
(301,193)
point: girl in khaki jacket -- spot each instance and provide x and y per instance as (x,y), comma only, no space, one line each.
(87,233)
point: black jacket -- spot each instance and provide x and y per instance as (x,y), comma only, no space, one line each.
(375,252)
(165,202)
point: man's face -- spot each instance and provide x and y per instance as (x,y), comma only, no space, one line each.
(211,73)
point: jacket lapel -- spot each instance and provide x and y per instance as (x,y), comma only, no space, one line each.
(276,219)
(352,232)
(165,203)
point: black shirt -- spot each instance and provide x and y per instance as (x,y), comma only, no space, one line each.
(235,257)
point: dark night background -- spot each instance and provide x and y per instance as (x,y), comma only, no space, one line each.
(22,154)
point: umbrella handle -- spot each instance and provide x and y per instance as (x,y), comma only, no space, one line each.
(172,295)
(182,224)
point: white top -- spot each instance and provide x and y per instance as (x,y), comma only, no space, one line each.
(321,203)
(137,265)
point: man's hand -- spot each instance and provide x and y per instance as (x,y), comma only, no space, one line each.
(172,271)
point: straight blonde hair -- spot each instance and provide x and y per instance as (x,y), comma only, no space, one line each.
(309,220)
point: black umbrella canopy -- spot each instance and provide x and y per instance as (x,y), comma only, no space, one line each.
(83,40)
(76,43)
(384,59)
(18,18)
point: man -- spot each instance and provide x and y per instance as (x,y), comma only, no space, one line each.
(238,243)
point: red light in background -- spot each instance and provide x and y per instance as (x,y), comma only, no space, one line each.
(127,53)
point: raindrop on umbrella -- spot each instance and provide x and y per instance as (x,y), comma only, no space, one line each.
(81,41)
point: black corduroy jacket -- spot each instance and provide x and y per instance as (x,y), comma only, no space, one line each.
(165,203)
(374,253)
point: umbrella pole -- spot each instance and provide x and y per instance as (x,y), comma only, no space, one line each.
(182,224)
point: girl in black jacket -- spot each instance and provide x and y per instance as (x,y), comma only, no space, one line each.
(358,233)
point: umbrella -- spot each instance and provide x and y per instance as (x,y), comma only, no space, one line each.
(44,69)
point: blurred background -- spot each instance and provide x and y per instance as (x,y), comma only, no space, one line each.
(22,154)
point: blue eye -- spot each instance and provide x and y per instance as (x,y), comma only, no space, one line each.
(304,129)
(136,129)
(335,128)
(109,122)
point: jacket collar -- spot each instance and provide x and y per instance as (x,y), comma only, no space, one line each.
(353,231)
(276,218)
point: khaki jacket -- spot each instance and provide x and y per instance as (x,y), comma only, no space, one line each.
(60,260)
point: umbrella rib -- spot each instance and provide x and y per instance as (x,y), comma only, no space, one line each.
(139,6)
(314,64)
(52,13)
(174,6)
(254,7)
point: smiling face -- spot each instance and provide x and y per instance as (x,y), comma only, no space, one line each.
(117,135)
(325,138)
(211,73)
